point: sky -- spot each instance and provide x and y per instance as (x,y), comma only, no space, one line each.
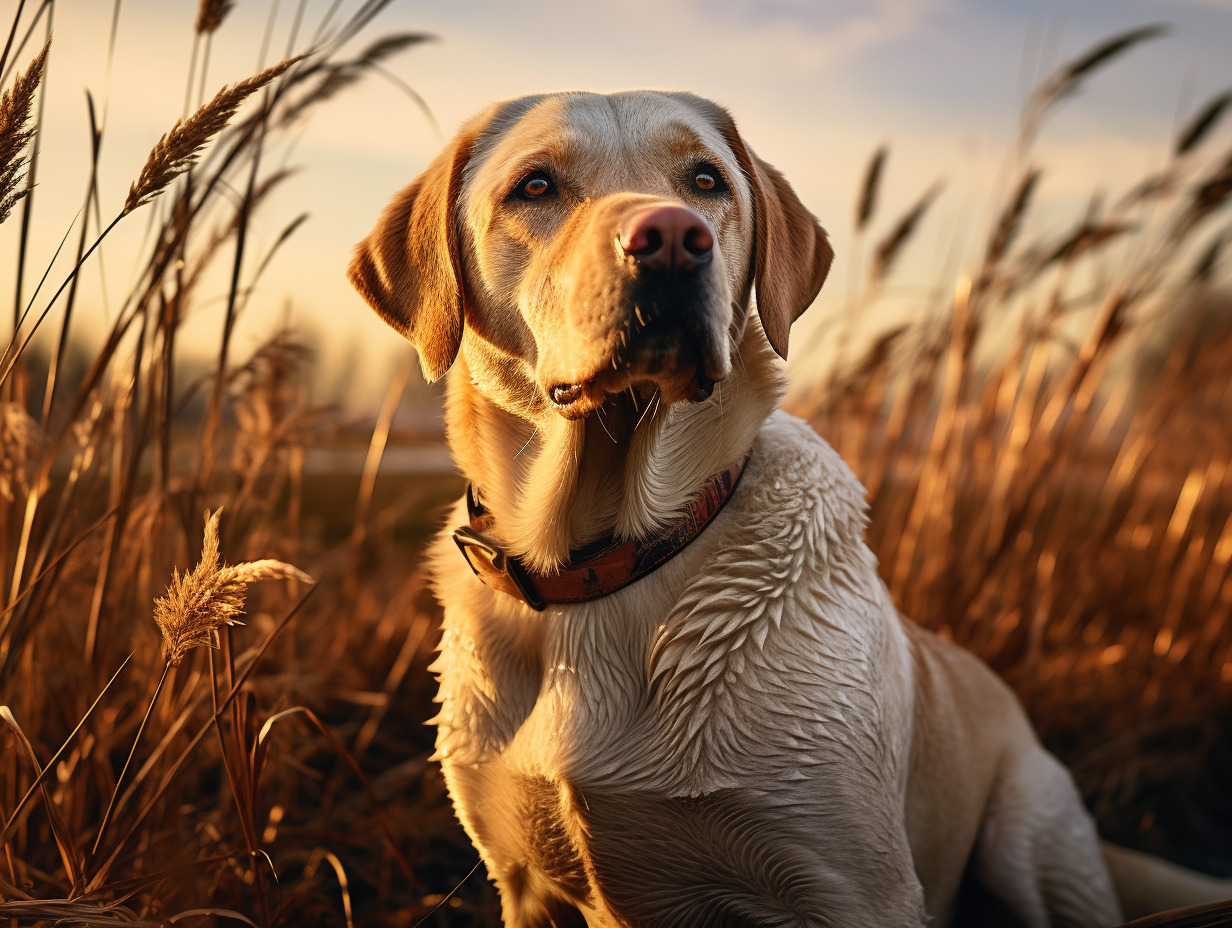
(814,86)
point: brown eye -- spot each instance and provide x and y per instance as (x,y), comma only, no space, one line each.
(536,185)
(708,179)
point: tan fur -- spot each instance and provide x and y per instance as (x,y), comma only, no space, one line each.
(407,269)
(792,260)
(750,735)
(519,268)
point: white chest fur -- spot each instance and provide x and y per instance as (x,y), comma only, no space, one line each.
(742,666)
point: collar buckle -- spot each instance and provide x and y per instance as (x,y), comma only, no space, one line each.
(491,564)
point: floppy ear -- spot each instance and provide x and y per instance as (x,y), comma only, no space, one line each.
(791,254)
(409,267)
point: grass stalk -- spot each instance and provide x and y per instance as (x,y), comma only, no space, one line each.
(376,448)
(100,875)
(102,827)
(57,356)
(55,758)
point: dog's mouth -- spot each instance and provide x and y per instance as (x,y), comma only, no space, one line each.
(657,352)
(574,400)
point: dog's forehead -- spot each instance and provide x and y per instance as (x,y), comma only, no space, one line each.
(601,131)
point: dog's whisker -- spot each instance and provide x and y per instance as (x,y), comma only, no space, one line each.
(528,441)
(599,410)
(646,410)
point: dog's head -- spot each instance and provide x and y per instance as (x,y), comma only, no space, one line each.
(579,245)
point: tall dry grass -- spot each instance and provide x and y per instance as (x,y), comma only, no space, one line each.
(1047,458)
(171,750)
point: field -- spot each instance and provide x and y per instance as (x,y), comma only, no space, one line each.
(215,627)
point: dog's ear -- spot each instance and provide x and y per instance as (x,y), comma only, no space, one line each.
(409,267)
(791,253)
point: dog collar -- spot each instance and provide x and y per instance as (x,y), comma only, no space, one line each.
(599,568)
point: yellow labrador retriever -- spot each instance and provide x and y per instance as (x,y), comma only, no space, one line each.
(673,689)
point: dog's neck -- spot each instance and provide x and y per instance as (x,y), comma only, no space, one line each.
(553,484)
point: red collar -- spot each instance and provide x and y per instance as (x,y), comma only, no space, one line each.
(598,568)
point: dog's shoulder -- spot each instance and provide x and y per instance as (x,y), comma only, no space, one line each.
(787,618)
(792,458)
(799,517)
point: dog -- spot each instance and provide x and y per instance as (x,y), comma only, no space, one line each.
(673,689)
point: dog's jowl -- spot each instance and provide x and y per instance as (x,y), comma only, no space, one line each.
(673,689)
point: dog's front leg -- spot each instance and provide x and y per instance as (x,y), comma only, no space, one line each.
(518,822)
(738,857)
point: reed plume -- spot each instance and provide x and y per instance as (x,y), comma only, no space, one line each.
(1068,79)
(211,13)
(211,595)
(334,79)
(1200,126)
(892,245)
(178,150)
(1010,220)
(22,445)
(16,132)
(867,203)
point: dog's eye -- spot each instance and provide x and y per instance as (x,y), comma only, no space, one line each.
(534,186)
(708,179)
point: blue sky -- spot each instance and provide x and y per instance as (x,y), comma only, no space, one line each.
(815,87)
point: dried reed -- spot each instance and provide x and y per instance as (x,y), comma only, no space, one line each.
(211,595)
(1068,79)
(211,13)
(892,245)
(87,531)
(178,150)
(1202,123)
(867,202)
(1056,501)
(15,131)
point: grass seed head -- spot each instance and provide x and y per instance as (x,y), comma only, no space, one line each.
(211,13)
(178,150)
(16,132)
(22,445)
(211,595)
(892,245)
(867,204)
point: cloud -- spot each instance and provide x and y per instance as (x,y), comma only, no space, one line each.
(808,35)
